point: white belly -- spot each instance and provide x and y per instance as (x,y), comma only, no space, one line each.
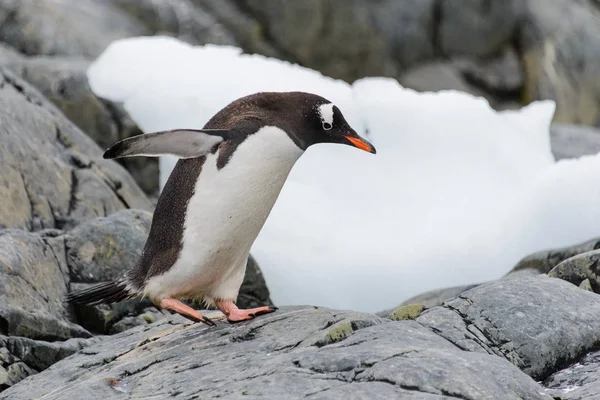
(224,217)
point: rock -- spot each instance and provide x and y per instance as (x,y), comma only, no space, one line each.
(477,27)
(544,261)
(499,79)
(33,281)
(39,355)
(573,141)
(335,37)
(247,32)
(12,370)
(430,299)
(538,323)
(502,76)
(39,145)
(578,381)
(581,269)
(102,249)
(254,291)
(63,81)
(294,353)
(182,18)
(436,76)
(408,28)
(560,49)
(55,27)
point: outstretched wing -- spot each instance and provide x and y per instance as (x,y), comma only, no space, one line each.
(182,143)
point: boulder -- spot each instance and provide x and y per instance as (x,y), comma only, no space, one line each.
(581,270)
(477,27)
(55,27)
(40,146)
(63,81)
(408,28)
(560,49)
(544,261)
(336,37)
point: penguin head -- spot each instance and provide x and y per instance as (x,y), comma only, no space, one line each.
(328,125)
(309,119)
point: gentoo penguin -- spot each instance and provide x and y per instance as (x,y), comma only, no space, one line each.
(218,197)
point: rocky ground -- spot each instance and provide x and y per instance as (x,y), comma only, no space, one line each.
(69,218)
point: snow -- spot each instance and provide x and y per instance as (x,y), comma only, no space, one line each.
(456,194)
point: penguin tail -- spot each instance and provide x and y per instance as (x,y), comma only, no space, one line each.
(102,293)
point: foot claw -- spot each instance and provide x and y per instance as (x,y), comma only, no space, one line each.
(208,321)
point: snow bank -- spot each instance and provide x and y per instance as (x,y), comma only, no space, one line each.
(456,194)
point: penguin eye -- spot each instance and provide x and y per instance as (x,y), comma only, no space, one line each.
(327,126)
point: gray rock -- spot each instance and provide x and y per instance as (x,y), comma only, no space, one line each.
(436,76)
(39,355)
(12,370)
(430,299)
(573,141)
(544,261)
(102,249)
(182,18)
(407,27)
(39,145)
(247,32)
(560,49)
(581,269)
(537,323)
(55,27)
(294,353)
(336,37)
(578,381)
(63,81)
(477,27)
(502,75)
(33,281)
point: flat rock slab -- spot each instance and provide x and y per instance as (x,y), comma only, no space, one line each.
(294,353)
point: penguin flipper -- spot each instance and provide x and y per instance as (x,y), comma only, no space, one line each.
(182,143)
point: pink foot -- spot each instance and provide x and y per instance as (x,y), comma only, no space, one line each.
(234,314)
(184,310)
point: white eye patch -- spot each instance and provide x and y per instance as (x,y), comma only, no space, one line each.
(326,114)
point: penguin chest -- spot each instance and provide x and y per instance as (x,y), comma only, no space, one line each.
(225,215)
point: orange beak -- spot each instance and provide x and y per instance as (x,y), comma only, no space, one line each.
(361,144)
